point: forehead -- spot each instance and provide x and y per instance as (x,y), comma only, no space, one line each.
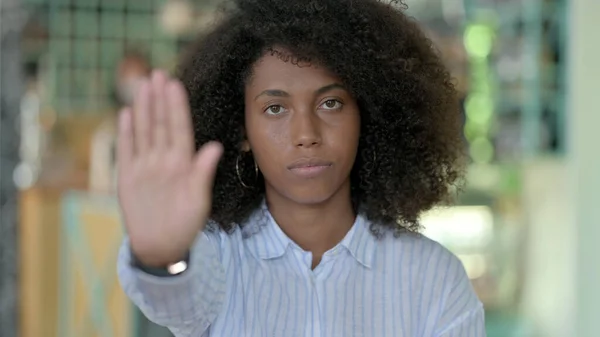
(273,70)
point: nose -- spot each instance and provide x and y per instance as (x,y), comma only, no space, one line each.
(305,129)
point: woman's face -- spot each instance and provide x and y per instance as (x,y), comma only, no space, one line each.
(302,127)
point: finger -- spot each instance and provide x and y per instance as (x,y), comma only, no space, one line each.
(160,134)
(205,167)
(125,143)
(180,118)
(142,119)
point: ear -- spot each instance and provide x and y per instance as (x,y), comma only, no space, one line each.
(245,146)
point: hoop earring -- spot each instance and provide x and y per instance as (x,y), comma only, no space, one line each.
(237,170)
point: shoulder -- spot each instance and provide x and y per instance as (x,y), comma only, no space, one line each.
(416,250)
(426,263)
(433,276)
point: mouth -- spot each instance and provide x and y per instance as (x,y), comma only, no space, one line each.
(309,167)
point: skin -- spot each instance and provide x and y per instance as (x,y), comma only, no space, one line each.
(165,189)
(301,112)
(292,113)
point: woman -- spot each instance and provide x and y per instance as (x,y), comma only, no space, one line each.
(324,129)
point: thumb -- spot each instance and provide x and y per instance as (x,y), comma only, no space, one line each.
(205,167)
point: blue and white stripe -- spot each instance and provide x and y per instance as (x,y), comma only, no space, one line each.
(257,282)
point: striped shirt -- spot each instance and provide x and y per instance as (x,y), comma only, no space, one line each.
(257,282)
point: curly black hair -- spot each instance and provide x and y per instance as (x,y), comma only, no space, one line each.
(410,154)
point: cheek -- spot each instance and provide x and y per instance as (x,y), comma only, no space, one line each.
(267,143)
(267,136)
(345,135)
(347,143)
(346,147)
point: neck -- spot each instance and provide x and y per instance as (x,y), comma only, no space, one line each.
(314,227)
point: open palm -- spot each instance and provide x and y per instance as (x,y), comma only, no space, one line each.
(165,187)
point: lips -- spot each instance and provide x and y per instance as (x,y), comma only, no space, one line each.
(308,163)
(309,167)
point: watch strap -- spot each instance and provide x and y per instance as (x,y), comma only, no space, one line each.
(170,270)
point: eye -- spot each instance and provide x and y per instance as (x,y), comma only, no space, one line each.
(275,109)
(331,104)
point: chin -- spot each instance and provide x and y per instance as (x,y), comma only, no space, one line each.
(312,199)
(310,194)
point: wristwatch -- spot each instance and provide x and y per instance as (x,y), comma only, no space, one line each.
(172,269)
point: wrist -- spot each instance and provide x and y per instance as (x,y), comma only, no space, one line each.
(160,268)
(156,256)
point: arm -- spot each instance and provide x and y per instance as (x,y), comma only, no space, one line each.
(186,304)
(165,193)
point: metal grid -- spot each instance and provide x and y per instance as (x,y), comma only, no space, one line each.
(524,69)
(86,38)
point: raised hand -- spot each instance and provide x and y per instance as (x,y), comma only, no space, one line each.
(165,187)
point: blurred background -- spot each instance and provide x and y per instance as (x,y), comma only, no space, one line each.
(525,228)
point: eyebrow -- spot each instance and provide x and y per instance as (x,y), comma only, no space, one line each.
(281,93)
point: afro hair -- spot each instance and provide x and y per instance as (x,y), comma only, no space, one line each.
(411,150)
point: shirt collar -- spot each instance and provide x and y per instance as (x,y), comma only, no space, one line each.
(267,241)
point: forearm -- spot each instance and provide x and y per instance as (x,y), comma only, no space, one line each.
(186,303)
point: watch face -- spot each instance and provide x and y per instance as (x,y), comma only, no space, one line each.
(177,268)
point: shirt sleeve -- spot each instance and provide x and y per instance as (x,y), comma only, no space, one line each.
(462,313)
(186,304)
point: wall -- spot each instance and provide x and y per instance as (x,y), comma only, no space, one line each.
(549,290)
(583,115)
